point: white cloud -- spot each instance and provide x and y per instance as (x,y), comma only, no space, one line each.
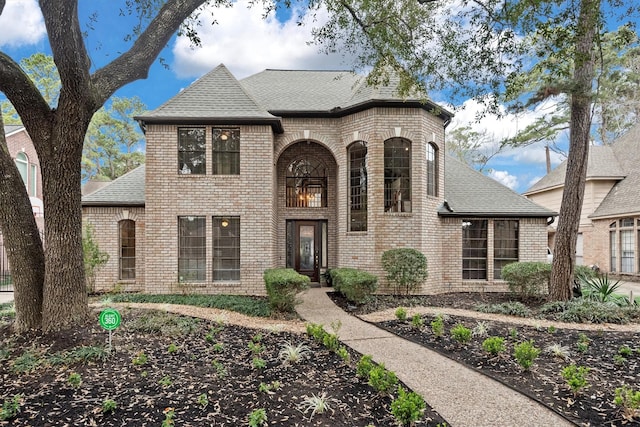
(246,43)
(22,23)
(505,178)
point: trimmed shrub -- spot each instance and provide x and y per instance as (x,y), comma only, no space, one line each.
(408,407)
(282,286)
(356,285)
(406,268)
(527,280)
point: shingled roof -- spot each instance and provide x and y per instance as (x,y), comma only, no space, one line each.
(624,197)
(619,162)
(217,97)
(603,164)
(470,193)
(127,190)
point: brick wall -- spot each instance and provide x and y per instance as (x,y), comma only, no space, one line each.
(105,222)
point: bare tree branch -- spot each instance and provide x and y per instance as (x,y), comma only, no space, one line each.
(135,63)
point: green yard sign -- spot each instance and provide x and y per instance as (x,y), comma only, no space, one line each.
(109,319)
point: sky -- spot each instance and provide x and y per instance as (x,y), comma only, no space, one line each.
(246,43)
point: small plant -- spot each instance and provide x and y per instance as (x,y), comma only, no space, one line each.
(576,377)
(600,288)
(165,381)
(258,363)
(258,417)
(552,329)
(109,405)
(481,330)
(330,341)
(619,360)
(343,353)
(172,348)
(629,400)
(255,347)
(401,314)
(583,342)
(316,404)
(202,400)
(268,388)
(558,350)
(525,353)
(407,407)
(316,331)
(625,351)
(364,366)
(10,407)
(417,321)
(461,333)
(437,326)
(218,347)
(513,333)
(74,380)
(140,358)
(494,345)
(382,379)
(290,353)
(26,362)
(169,413)
(221,371)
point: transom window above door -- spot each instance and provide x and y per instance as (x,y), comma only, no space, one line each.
(306,183)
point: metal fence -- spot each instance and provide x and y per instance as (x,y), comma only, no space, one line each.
(6,283)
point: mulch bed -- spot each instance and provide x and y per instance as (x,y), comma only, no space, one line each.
(609,366)
(200,370)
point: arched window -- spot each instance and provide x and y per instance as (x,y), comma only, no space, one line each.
(22,162)
(432,169)
(306,183)
(357,153)
(397,175)
(127,229)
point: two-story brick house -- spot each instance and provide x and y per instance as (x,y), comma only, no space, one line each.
(23,152)
(305,169)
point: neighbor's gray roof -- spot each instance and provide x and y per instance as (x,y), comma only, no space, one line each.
(624,197)
(603,164)
(470,193)
(127,190)
(8,129)
(263,96)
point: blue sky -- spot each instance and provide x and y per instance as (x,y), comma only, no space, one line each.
(246,43)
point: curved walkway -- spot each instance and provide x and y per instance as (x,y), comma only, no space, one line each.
(461,395)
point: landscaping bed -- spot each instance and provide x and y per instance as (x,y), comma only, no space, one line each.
(166,369)
(611,356)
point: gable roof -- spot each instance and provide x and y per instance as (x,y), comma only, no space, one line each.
(624,197)
(602,164)
(127,190)
(217,97)
(468,192)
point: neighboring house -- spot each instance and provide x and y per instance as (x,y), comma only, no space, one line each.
(23,152)
(309,170)
(609,230)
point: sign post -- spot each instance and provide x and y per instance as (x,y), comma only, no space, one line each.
(109,320)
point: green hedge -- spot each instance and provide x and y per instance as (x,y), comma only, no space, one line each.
(406,268)
(355,285)
(527,279)
(282,286)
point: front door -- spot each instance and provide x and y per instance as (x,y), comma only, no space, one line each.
(304,240)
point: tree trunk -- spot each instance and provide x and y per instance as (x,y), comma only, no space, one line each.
(22,243)
(580,126)
(65,293)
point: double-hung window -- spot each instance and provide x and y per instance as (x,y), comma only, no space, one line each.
(505,244)
(474,249)
(127,259)
(397,175)
(192,250)
(191,151)
(357,186)
(226,151)
(226,248)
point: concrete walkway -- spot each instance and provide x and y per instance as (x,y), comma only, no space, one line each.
(461,395)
